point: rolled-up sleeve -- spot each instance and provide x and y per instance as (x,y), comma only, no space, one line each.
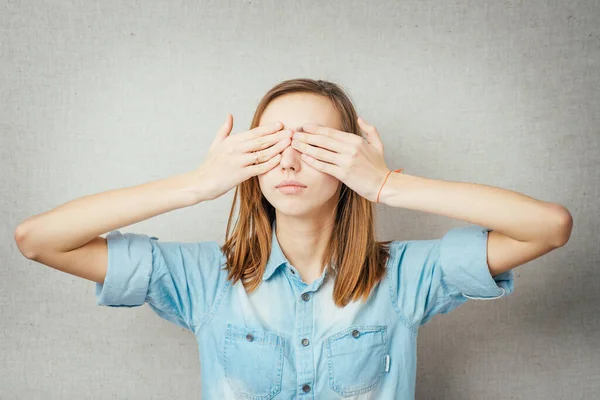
(463,259)
(430,277)
(179,281)
(128,271)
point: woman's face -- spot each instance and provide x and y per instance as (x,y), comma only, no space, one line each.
(321,193)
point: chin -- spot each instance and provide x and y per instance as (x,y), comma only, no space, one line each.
(292,205)
(296,212)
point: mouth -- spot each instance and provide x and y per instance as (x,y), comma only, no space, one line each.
(290,184)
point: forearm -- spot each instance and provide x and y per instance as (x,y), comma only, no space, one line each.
(513,214)
(75,223)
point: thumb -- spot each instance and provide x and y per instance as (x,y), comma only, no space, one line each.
(372,134)
(224,130)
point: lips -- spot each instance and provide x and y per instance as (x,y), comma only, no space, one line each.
(290,183)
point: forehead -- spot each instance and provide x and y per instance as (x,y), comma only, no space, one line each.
(296,109)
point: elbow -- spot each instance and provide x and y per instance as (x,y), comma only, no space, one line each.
(20,236)
(564,226)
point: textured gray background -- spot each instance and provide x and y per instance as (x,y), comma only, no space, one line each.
(102,95)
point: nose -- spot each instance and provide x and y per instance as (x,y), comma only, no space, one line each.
(290,158)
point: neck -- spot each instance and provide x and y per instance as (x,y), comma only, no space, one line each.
(303,242)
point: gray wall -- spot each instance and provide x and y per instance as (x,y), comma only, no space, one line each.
(103,95)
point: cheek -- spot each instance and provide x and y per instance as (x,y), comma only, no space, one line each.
(263,179)
(328,179)
(330,184)
(262,183)
(266,181)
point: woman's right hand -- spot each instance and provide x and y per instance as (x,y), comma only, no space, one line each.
(230,159)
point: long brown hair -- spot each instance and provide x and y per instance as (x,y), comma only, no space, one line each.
(359,260)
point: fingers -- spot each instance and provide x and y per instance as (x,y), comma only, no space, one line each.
(268,153)
(264,167)
(259,131)
(266,140)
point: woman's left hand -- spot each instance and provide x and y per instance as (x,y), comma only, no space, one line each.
(359,164)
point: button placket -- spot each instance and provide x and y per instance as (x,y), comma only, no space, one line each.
(304,324)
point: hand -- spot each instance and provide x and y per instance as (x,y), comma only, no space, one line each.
(358,163)
(230,159)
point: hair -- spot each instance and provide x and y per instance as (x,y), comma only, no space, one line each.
(356,260)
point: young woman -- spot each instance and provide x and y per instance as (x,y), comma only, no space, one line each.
(301,301)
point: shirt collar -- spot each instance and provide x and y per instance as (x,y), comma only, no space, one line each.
(276,258)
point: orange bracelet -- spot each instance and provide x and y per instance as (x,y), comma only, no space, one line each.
(396,170)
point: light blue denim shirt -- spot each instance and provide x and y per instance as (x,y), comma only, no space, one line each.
(287,339)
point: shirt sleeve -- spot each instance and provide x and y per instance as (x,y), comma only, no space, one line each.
(179,281)
(430,277)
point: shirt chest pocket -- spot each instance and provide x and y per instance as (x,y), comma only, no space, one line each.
(253,361)
(356,358)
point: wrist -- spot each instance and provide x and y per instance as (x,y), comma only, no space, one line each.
(393,187)
(188,185)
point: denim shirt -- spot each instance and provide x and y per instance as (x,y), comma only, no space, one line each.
(287,339)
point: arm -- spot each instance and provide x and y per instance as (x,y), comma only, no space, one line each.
(522,228)
(67,237)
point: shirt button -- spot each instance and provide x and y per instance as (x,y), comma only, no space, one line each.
(249,337)
(306,388)
(305,342)
(305,296)
(355,333)
(292,271)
